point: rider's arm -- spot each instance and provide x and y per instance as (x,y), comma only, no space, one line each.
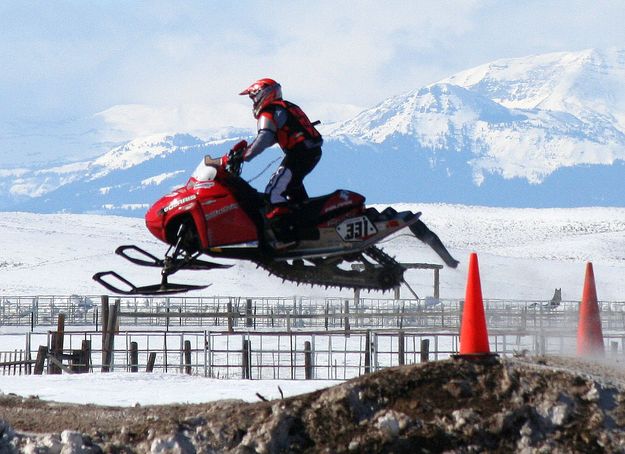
(267,133)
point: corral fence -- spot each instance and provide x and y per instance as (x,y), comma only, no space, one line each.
(231,313)
(285,338)
(319,355)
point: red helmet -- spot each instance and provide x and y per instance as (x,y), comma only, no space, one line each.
(263,92)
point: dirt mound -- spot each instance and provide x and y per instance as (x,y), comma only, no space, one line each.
(499,405)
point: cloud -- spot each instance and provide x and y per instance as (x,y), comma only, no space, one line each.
(128,121)
(156,66)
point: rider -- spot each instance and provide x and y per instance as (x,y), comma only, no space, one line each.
(280,121)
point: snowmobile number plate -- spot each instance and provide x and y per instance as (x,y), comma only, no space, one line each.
(356,229)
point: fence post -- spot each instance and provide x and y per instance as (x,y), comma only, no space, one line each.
(36,310)
(105,312)
(105,321)
(86,355)
(308,361)
(347,329)
(18,359)
(245,360)
(368,352)
(42,354)
(248,313)
(151,362)
(401,348)
(187,356)
(425,350)
(28,368)
(57,345)
(60,338)
(165,360)
(109,341)
(134,357)
(230,324)
(443,316)
(326,311)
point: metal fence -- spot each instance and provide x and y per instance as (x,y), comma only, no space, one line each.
(320,355)
(230,313)
(285,338)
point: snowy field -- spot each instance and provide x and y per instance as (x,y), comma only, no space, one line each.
(128,389)
(523,254)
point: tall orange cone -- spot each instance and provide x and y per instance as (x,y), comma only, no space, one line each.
(589,333)
(473,332)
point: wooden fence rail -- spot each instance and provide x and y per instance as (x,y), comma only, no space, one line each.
(15,363)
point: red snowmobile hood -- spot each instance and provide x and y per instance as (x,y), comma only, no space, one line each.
(157,215)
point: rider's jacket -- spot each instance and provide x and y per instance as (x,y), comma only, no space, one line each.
(284,123)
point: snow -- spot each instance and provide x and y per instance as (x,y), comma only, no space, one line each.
(523,254)
(140,150)
(129,389)
(158,179)
(58,253)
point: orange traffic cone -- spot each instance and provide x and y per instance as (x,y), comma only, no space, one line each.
(589,333)
(473,332)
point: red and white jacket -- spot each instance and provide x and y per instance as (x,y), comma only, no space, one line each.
(284,123)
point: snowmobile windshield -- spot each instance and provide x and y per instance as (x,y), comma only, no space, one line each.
(204,173)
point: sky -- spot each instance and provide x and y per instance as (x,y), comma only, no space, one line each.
(79,77)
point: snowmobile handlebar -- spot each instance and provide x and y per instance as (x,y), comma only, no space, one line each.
(210,161)
(235,162)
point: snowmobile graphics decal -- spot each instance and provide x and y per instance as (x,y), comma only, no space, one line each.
(221,211)
(345,200)
(204,185)
(176,203)
(356,229)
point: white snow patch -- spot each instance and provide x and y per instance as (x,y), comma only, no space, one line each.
(158,179)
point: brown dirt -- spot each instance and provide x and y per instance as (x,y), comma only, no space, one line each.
(544,404)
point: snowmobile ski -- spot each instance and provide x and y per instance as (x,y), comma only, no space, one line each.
(183,264)
(164,288)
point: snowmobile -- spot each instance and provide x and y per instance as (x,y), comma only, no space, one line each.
(218,214)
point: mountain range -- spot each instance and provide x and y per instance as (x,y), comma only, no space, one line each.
(538,131)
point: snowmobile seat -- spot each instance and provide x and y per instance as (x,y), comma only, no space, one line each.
(319,209)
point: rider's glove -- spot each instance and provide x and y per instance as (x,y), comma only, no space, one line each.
(236,151)
(242,145)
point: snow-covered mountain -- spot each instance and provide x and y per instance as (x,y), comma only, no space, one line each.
(122,181)
(545,130)
(519,118)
